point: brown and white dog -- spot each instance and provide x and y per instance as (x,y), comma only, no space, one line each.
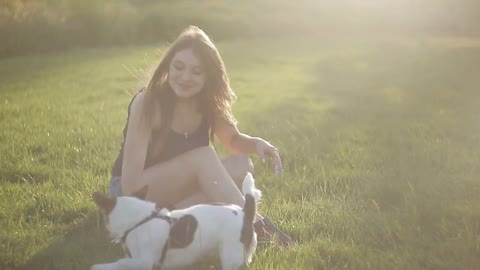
(159,239)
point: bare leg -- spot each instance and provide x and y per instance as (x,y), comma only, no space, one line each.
(198,169)
(200,176)
(197,197)
(236,166)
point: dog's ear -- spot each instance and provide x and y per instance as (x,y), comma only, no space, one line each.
(103,202)
(141,193)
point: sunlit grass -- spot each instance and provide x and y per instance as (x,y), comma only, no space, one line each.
(380,142)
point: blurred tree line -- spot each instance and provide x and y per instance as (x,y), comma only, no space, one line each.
(41,25)
(28,26)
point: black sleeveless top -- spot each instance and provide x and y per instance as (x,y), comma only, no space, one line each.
(174,145)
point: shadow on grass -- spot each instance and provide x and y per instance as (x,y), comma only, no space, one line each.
(85,245)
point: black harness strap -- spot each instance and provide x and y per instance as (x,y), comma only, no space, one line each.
(181,234)
(155,214)
(163,256)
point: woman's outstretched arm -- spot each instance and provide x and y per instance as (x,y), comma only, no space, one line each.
(239,143)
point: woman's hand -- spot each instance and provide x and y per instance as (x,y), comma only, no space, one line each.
(264,148)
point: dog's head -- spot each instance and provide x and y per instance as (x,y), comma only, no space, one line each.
(119,212)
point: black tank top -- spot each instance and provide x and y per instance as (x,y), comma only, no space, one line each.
(174,145)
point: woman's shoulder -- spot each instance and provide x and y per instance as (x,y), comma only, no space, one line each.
(137,102)
(138,107)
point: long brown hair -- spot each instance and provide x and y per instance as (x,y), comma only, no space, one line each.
(215,98)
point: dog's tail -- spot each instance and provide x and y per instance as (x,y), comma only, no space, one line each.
(252,196)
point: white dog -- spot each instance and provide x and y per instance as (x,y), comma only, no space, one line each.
(158,239)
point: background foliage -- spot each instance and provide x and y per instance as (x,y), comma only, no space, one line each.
(42,25)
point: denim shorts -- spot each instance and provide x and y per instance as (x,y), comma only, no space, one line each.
(115,188)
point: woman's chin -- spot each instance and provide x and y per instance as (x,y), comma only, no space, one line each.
(185,93)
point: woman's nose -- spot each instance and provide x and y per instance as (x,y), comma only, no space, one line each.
(186,76)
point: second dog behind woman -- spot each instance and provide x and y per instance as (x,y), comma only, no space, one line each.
(171,124)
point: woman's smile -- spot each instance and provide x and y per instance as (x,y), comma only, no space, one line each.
(186,76)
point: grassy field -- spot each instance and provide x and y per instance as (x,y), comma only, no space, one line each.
(380,141)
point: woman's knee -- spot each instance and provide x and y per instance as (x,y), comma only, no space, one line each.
(203,155)
(245,164)
(238,166)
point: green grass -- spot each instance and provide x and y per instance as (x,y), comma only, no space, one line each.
(380,142)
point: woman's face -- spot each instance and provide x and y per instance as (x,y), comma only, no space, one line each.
(186,74)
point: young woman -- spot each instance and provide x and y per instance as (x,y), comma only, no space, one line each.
(171,124)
